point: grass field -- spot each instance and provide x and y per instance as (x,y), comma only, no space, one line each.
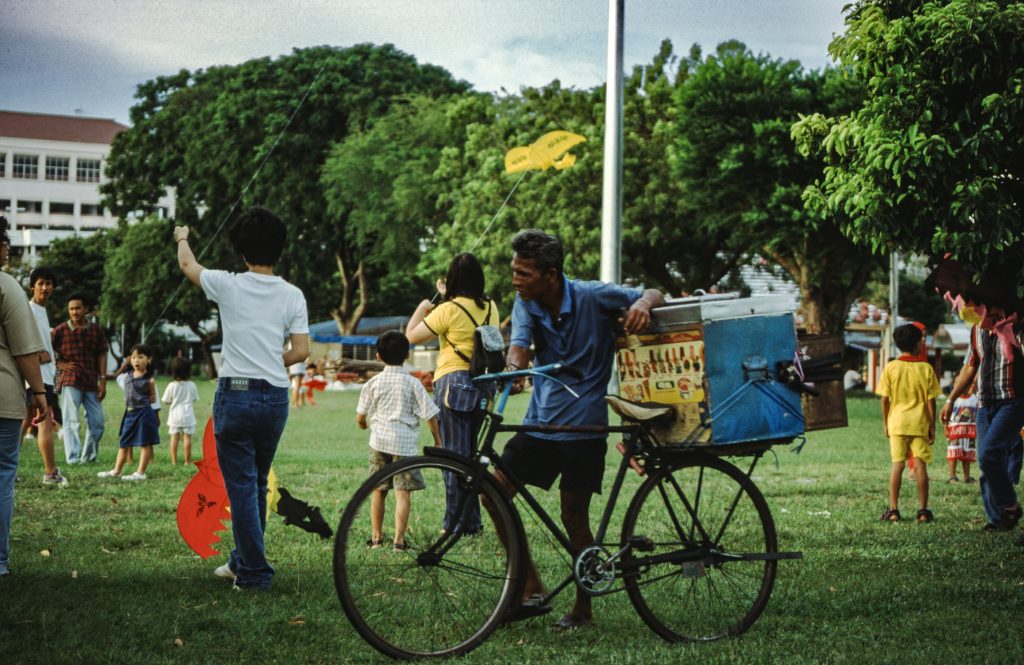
(102,576)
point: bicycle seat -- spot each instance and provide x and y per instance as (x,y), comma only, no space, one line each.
(641,412)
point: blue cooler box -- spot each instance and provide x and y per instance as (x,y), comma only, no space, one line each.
(714,358)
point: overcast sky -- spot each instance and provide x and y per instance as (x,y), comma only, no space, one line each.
(59,56)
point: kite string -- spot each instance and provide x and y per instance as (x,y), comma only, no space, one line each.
(242,194)
(491,223)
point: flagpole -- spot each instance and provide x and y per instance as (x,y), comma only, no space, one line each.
(611,199)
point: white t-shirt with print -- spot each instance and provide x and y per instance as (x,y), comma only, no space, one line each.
(258,313)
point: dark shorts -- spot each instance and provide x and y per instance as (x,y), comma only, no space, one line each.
(539,461)
(51,399)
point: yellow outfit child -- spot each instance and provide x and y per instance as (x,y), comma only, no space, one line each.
(909,385)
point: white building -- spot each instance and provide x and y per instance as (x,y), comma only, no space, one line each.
(51,167)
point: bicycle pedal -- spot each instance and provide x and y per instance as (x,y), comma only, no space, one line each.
(641,543)
(633,462)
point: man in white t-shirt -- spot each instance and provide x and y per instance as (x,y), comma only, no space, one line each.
(259,313)
(41,282)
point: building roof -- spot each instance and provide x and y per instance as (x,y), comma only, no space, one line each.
(40,126)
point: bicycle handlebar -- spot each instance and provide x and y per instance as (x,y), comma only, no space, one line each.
(549,371)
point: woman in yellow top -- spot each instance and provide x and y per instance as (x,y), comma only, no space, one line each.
(463,307)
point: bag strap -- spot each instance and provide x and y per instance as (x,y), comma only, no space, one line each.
(460,354)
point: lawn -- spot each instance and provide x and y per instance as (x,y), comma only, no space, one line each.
(102,576)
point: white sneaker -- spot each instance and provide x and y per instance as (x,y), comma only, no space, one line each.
(134,476)
(224,572)
(54,478)
(108,474)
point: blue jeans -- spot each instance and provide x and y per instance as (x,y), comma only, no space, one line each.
(247,423)
(459,422)
(10,429)
(998,430)
(70,399)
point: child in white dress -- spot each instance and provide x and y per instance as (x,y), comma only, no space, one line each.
(181,394)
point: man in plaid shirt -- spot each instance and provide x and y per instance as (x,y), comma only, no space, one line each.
(81,354)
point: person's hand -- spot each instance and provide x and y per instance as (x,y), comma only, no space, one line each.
(638,317)
(41,407)
(180,233)
(947,411)
(426,306)
(101,391)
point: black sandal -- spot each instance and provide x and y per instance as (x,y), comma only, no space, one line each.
(890,515)
(924,515)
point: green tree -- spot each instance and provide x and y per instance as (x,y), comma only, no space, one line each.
(78,263)
(143,287)
(741,175)
(931,161)
(380,184)
(209,133)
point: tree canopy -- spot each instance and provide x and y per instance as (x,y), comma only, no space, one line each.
(741,177)
(931,160)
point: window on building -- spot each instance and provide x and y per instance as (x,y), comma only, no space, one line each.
(91,210)
(57,168)
(62,208)
(60,227)
(5,206)
(88,170)
(25,166)
(30,206)
(3,164)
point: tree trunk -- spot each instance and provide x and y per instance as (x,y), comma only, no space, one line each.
(344,315)
(206,341)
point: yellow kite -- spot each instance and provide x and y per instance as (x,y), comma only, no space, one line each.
(549,150)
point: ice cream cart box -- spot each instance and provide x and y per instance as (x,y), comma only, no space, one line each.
(699,355)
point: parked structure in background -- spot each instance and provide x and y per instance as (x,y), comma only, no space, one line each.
(51,167)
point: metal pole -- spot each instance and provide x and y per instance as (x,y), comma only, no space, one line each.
(611,199)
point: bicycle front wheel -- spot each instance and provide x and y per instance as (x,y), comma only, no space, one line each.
(446,593)
(700,565)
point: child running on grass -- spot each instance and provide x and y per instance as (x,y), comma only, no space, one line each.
(908,389)
(960,432)
(180,394)
(140,425)
(395,402)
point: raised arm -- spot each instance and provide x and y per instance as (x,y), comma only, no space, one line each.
(416,331)
(186,259)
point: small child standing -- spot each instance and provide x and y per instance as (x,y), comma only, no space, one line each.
(180,394)
(395,402)
(960,432)
(140,425)
(908,388)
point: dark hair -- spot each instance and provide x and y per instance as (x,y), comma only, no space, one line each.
(258,235)
(465,278)
(906,337)
(79,296)
(544,248)
(144,350)
(181,369)
(311,366)
(42,272)
(393,347)
(3,230)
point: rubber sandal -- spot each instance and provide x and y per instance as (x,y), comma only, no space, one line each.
(924,515)
(374,543)
(570,622)
(534,606)
(890,515)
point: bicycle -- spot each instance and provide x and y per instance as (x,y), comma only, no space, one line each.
(697,555)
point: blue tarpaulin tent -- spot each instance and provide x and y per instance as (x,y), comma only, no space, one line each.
(326,332)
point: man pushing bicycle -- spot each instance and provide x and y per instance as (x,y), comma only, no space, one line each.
(569,322)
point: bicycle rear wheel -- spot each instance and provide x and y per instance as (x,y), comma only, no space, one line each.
(445,594)
(700,567)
